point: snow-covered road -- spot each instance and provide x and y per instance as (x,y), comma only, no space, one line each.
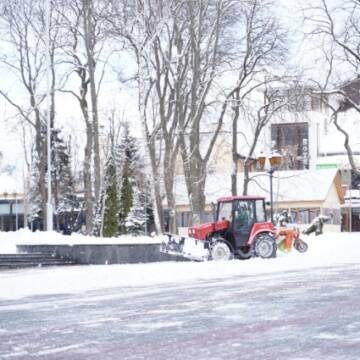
(297,306)
(308,314)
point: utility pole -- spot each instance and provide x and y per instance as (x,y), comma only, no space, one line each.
(49,209)
(350,203)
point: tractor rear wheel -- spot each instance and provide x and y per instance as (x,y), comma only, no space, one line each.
(265,246)
(221,251)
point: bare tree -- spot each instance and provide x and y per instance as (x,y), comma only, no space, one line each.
(23,28)
(141,26)
(165,48)
(82,49)
(259,119)
(180,57)
(335,27)
(200,63)
(344,101)
(259,45)
(92,25)
(212,49)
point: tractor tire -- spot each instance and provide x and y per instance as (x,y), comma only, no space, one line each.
(244,255)
(301,246)
(221,251)
(265,246)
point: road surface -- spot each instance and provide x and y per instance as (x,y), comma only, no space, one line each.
(313,314)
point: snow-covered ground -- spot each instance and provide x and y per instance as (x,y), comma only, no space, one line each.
(308,314)
(328,250)
(297,306)
(9,240)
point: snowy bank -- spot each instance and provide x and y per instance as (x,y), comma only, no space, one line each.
(328,250)
(9,240)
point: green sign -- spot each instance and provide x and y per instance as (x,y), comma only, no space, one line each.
(326,166)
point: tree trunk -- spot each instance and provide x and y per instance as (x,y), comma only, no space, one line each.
(156,189)
(150,148)
(168,173)
(196,190)
(197,197)
(88,180)
(234,159)
(40,148)
(246,177)
(247,163)
(346,144)
(234,144)
(90,44)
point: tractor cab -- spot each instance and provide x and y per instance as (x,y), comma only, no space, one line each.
(246,214)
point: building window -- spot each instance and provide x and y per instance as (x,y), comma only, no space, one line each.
(292,141)
(319,103)
(335,215)
(18,208)
(299,99)
(304,216)
(5,209)
(184,219)
(207,217)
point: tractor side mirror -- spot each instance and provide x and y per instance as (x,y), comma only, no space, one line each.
(267,203)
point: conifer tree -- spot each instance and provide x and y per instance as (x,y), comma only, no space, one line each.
(140,215)
(66,203)
(135,205)
(126,197)
(35,213)
(63,188)
(135,199)
(110,225)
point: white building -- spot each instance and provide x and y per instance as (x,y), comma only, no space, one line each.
(11,204)
(303,193)
(306,135)
(313,156)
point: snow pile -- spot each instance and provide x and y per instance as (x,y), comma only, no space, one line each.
(328,250)
(9,240)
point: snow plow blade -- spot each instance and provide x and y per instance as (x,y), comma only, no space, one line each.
(186,247)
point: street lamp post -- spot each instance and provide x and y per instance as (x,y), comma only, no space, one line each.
(347,191)
(275,161)
(350,210)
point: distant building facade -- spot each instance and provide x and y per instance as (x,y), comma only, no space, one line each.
(11,212)
(310,145)
(305,134)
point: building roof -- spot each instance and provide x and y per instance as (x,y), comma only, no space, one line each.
(288,186)
(9,185)
(243,197)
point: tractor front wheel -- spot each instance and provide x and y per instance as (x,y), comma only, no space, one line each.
(244,253)
(265,246)
(221,251)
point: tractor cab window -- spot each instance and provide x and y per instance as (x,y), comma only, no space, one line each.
(260,211)
(225,211)
(244,215)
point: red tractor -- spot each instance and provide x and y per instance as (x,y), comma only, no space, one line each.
(240,230)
